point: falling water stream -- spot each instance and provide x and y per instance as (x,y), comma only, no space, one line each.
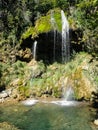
(34,50)
(65,38)
(68,94)
(65,44)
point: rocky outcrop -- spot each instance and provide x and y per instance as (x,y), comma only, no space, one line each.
(8,54)
(9,94)
(25,55)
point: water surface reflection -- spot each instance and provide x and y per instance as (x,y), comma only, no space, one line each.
(46,116)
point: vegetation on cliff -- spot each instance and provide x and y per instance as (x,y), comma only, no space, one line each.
(33,79)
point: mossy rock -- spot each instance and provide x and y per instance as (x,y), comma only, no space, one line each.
(44,25)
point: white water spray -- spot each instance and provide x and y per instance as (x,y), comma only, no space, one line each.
(65,38)
(68,94)
(68,98)
(34,50)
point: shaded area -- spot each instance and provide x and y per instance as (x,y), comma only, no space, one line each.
(75,39)
(49,47)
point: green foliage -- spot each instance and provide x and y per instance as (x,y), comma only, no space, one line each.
(85,16)
(11,72)
(17,19)
(18,68)
(36,80)
(3,72)
(77,73)
(24,91)
(44,6)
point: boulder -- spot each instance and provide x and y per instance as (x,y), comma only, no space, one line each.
(3,94)
(96,122)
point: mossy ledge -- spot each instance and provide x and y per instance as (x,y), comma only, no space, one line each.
(43,25)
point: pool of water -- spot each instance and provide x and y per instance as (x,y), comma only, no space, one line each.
(48,116)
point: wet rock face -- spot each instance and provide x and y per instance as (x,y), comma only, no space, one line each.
(49,47)
(10,93)
(25,50)
(5,94)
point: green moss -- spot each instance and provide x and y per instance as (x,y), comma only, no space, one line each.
(29,32)
(43,24)
(57,17)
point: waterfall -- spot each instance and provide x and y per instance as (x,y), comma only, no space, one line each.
(34,50)
(65,38)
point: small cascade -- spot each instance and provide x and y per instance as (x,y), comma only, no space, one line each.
(65,38)
(68,94)
(34,50)
(68,98)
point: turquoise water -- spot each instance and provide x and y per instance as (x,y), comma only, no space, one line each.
(45,116)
